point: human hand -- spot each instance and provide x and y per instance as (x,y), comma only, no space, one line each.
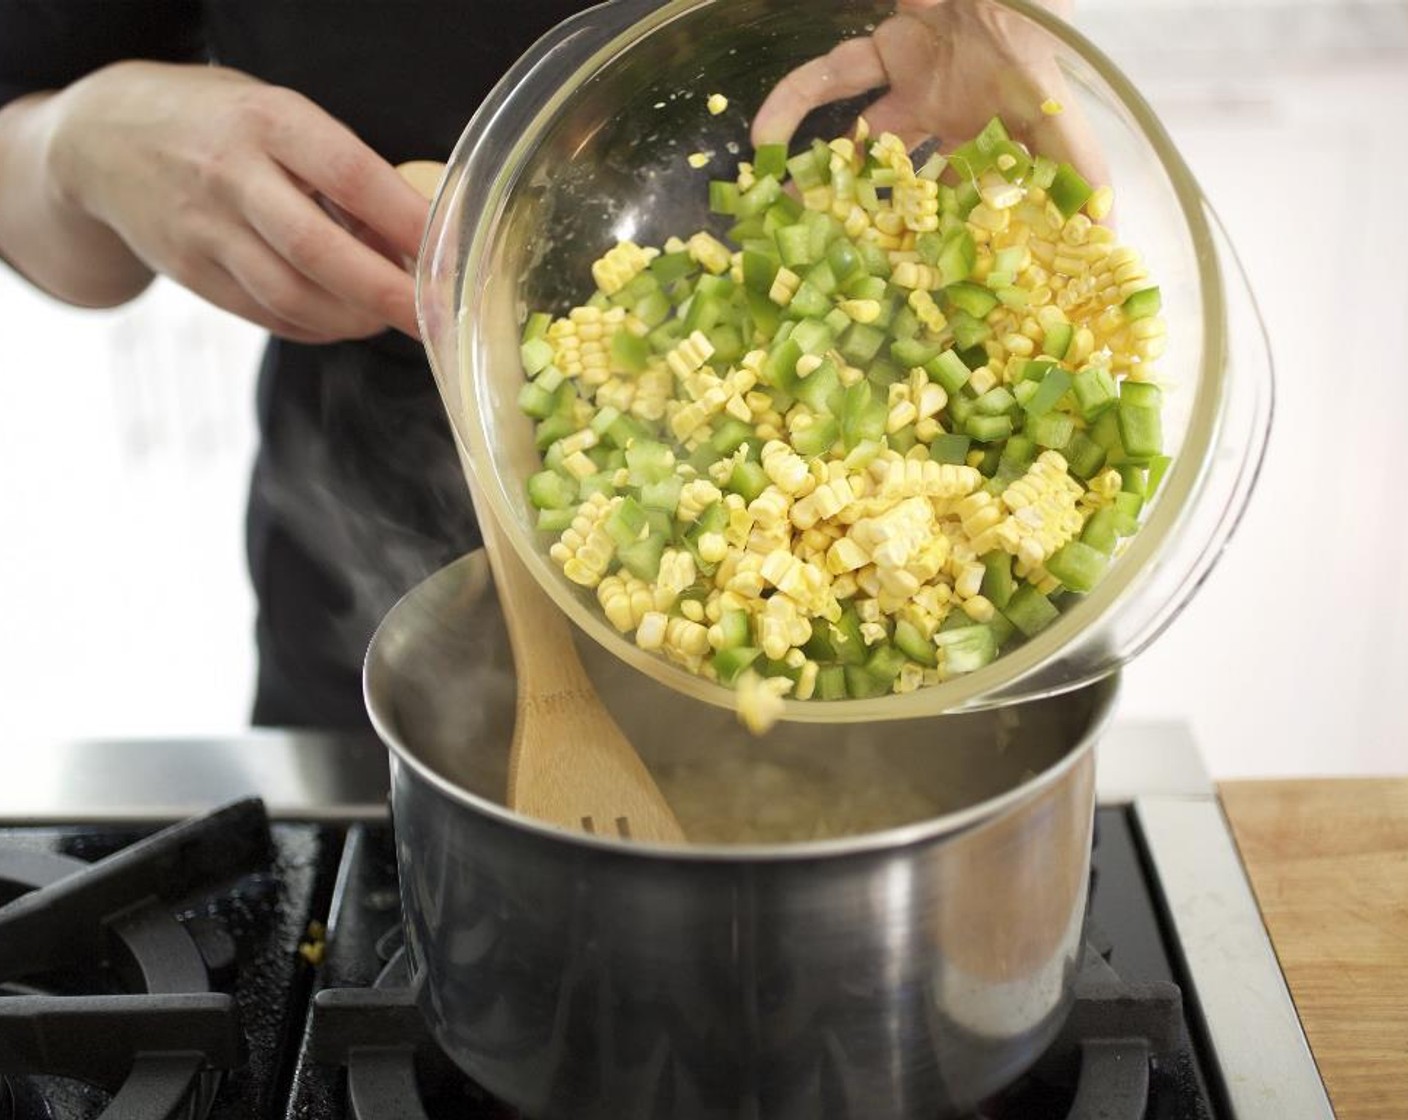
(230,187)
(949,66)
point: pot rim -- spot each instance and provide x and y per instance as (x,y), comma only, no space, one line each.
(902,836)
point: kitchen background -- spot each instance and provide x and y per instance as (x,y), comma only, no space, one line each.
(126,437)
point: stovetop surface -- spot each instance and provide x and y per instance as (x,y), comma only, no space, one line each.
(257,923)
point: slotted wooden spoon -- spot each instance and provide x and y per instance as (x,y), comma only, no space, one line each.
(569,762)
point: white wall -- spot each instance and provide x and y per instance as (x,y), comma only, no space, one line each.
(126,437)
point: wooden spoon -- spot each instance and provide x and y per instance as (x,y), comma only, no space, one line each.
(569,762)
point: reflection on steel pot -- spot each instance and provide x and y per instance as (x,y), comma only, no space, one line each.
(902,973)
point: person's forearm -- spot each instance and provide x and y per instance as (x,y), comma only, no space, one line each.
(44,234)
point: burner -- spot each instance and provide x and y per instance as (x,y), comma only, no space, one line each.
(395,1071)
(76,924)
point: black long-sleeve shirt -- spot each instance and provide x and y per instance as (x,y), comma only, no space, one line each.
(357,493)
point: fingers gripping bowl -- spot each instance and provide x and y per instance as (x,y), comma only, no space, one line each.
(585,144)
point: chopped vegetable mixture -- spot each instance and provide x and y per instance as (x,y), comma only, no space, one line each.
(876,436)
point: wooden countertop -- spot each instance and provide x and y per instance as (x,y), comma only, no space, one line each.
(1328,860)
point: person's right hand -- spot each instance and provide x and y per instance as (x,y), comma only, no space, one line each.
(228,186)
(945,67)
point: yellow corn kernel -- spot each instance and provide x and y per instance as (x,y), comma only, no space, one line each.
(689,354)
(1051,107)
(861,310)
(1099,204)
(716,103)
(650,634)
(760,700)
(709,252)
(621,264)
(787,470)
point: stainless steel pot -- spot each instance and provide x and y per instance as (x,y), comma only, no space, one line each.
(903,973)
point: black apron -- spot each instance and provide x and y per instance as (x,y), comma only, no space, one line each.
(357,493)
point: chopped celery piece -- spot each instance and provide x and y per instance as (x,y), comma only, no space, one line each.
(1083,455)
(730,662)
(806,171)
(1077,565)
(972,298)
(831,682)
(1100,531)
(1141,430)
(862,685)
(846,639)
(729,434)
(1127,504)
(1019,451)
(885,662)
(911,352)
(967,330)
(966,648)
(550,490)
(536,401)
(536,326)
(649,461)
(1024,391)
(1095,391)
(723,197)
(816,439)
(957,257)
(735,628)
(816,389)
(1030,611)
(949,371)
(997,401)
(912,643)
(809,302)
(1134,479)
(1142,304)
(794,246)
(556,520)
(813,336)
(629,351)
(949,447)
(1049,390)
(1051,429)
(1068,190)
(623,430)
(875,259)
(1058,340)
(747,480)
(770,159)
(759,197)
(595,484)
(626,523)
(1158,467)
(536,354)
(861,343)
(843,258)
(1106,432)
(662,495)
(759,271)
(998,584)
(905,324)
(1043,172)
(642,558)
(988,429)
(554,428)
(863,415)
(669,267)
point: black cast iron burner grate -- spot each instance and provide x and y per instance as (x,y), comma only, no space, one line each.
(1119,1038)
(158,1048)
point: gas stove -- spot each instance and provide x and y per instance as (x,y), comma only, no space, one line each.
(160,958)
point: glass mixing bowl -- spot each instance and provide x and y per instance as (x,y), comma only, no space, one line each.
(584,143)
